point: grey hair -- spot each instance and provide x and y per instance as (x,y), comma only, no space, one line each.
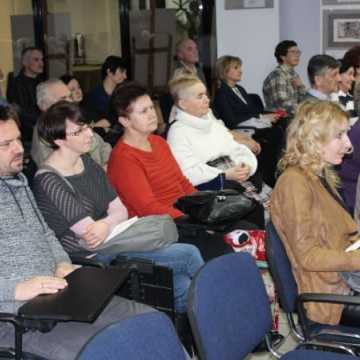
(44,97)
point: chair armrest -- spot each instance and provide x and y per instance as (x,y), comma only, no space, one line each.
(323,298)
(10,318)
(328,298)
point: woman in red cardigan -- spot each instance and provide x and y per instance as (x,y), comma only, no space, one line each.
(144,172)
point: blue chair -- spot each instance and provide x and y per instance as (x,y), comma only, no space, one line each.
(229,311)
(292,302)
(149,336)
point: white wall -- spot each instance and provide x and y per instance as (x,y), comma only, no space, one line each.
(300,21)
(252,35)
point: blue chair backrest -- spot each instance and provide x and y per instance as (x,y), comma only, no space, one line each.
(280,269)
(149,336)
(228,307)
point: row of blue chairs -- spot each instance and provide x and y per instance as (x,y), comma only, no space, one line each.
(230,315)
(229,312)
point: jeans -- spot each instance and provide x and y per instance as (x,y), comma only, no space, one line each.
(184,260)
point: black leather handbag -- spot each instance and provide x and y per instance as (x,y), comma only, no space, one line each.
(215,207)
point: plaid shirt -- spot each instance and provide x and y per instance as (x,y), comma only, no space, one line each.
(279,91)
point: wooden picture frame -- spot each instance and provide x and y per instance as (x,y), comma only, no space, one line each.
(341,28)
(248,4)
(341,2)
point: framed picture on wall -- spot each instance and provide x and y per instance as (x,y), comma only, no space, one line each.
(341,28)
(340,2)
(248,4)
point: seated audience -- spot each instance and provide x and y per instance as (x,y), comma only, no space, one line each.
(308,212)
(204,149)
(352,56)
(238,110)
(283,87)
(101,127)
(324,77)
(33,262)
(350,167)
(49,93)
(144,172)
(97,101)
(22,90)
(343,95)
(187,59)
(80,206)
(240,137)
(74,87)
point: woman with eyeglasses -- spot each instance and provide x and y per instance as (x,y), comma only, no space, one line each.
(308,212)
(82,208)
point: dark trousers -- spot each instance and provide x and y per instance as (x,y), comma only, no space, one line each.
(351,314)
(272,142)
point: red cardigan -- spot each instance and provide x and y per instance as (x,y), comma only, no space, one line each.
(148,183)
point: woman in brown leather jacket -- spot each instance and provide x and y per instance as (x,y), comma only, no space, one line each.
(307,210)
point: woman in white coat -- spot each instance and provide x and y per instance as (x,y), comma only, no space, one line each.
(204,148)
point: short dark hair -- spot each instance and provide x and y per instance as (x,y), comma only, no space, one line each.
(124,95)
(344,65)
(66,78)
(282,49)
(353,56)
(8,112)
(319,64)
(52,124)
(112,63)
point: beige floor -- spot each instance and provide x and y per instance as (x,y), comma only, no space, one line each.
(289,343)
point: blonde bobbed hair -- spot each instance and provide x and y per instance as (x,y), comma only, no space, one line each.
(180,86)
(223,65)
(316,122)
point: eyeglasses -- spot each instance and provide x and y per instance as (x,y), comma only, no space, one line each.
(80,131)
(295,52)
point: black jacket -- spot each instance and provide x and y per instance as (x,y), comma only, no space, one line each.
(231,109)
(22,92)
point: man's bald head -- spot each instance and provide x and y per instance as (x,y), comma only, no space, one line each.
(187,52)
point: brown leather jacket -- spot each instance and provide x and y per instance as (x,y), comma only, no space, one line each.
(315,230)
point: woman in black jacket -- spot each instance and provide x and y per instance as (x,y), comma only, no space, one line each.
(244,112)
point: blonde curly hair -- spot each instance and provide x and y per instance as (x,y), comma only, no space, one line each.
(315,124)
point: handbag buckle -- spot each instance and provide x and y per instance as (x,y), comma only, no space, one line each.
(221,197)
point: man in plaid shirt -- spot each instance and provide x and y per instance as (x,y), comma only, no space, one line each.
(283,88)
